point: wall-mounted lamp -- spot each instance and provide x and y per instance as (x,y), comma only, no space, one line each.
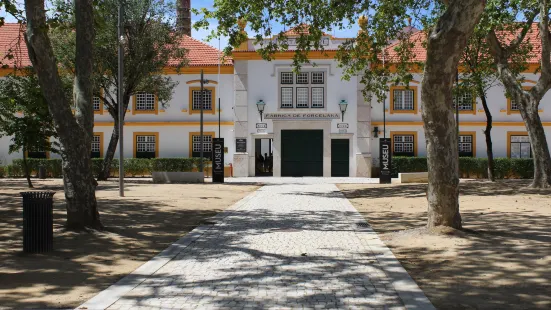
(375,132)
(343,105)
(260,106)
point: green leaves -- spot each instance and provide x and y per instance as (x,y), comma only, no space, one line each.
(24,113)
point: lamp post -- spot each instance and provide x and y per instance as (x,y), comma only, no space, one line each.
(343,105)
(202,106)
(120,86)
(260,105)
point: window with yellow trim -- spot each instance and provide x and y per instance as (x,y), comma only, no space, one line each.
(195,144)
(146,146)
(465,101)
(207,100)
(97,103)
(466,147)
(520,146)
(403,99)
(145,103)
(97,145)
(404,145)
(512,106)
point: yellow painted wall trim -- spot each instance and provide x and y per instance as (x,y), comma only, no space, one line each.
(191,134)
(418,123)
(398,133)
(473,134)
(212,110)
(199,81)
(480,110)
(136,111)
(503,110)
(100,134)
(135,124)
(391,102)
(162,111)
(135,143)
(513,133)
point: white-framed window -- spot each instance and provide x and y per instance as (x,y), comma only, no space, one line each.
(521,147)
(286,97)
(302,97)
(145,143)
(465,100)
(318,78)
(404,145)
(317,97)
(207,100)
(286,77)
(145,102)
(196,144)
(403,99)
(302,90)
(302,78)
(96,101)
(96,144)
(466,145)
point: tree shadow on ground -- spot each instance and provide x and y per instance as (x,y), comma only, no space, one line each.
(137,228)
(501,259)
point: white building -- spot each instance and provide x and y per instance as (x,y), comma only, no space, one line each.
(301,124)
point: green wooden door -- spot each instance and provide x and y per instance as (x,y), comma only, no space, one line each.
(340,160)
(301,153)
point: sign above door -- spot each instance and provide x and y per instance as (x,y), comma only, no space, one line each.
(302,116)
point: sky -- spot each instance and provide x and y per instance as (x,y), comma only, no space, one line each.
(203,33)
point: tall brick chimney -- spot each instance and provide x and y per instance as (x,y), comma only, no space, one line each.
(183,21)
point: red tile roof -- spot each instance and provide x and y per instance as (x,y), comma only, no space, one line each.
(12,42)
(420,53)
(201,54)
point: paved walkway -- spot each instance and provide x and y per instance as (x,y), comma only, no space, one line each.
(283,247)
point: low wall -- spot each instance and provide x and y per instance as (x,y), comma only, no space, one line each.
(178,177)
(413,177)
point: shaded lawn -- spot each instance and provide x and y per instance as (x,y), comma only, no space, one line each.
(500,261)
(138,227)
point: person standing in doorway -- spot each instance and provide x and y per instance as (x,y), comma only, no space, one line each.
(265,162)
(270,162)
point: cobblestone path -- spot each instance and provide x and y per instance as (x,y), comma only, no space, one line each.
(296,246)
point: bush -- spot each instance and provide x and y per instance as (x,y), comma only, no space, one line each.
(137,166)
(173,164)
(53,166)
(14,171)
(2,172)
(469,167)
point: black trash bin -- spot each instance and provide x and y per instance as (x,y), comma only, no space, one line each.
(38,222)
(41,172)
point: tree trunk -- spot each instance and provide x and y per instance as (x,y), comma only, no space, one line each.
(446,42)
(26,167)
(75,133)
(538,141)
(488,134)
(105,172)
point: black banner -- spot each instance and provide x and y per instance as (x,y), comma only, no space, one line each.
(240,145)
(218,160)
(385,153)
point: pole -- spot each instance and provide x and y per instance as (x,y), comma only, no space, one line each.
(219,85)
(457,105)
(384,102)
(120,97)
(201,98)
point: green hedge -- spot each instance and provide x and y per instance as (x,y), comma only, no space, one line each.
(522,168)
(132,166)
(2,171)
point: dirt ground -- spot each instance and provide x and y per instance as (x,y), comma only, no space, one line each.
(138,227)
(500,261)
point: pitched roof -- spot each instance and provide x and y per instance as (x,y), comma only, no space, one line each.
(201,54)
(420,52)
(12,43)
(13,50)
